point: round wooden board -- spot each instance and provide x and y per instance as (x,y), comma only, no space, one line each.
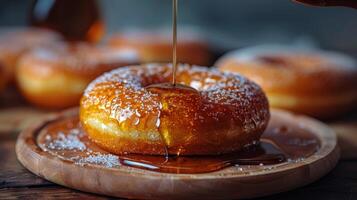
(142,184)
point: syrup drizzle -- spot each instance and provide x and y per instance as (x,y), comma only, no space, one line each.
(261,154)
(66,140)
(166,91)
(174,40)
(169,87)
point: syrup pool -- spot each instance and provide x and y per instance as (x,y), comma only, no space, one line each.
(280,144)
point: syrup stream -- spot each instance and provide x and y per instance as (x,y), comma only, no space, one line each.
(174,66)
(174,40)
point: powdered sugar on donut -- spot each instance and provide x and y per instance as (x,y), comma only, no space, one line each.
(122,93)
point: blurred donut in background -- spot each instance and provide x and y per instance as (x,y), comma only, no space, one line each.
(309,81)
(156,46)
(16,41)
(55,76)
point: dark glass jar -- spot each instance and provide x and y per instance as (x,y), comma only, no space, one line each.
(76,20)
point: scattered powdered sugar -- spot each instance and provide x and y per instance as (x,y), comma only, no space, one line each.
(267,168)
(70,141)
(107,160)
(297,160)
(72,145)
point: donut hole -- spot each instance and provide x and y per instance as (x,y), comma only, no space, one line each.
(171,89)
(274,60)
(296,61)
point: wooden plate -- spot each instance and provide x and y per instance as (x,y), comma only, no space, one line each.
(229,183)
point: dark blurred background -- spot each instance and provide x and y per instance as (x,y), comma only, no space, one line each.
(227,24)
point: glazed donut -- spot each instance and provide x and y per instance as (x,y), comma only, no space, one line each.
(16,41)
(157,46)
(314,82)
(55,76)
(123,111)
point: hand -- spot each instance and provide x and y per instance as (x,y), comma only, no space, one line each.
(347,3)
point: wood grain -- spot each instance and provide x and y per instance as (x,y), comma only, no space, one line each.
(12,174)
(227,183)
(51,192)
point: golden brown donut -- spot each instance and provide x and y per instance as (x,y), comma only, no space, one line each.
(157,46)
(219,113)
(16,41)
(55,76)
(314,82)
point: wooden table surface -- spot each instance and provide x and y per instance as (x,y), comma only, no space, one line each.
(17,182)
